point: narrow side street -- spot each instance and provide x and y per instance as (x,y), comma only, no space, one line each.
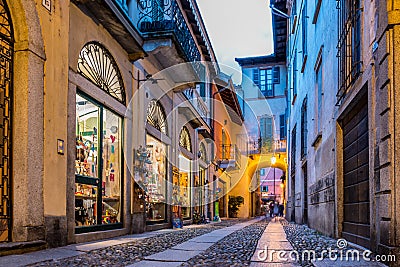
(257,242)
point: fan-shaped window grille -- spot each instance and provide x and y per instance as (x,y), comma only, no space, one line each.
(156,116)
(203,152)
(5,23)
(96,64)
(184,139)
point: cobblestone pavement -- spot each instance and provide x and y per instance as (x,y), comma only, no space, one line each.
(235,249)
(303,238)
(125,254)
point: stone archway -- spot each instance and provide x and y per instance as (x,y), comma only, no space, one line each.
(27,119)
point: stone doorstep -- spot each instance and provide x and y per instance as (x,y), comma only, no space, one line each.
(21,247)
(38,256)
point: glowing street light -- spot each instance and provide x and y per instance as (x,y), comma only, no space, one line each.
(273,160)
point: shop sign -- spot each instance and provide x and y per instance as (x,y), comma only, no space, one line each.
(47,4)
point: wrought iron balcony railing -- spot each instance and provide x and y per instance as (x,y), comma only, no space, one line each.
(265,146)
(164,17)
(197,102)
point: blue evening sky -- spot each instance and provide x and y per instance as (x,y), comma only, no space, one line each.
(237,28)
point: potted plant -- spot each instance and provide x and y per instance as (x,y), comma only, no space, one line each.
(233,205)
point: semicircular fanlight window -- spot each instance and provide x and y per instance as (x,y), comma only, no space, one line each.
(96,64)
(203,152)
(184,139)
(156,116)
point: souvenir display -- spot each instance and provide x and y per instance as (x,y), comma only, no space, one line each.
(94,138)
(155,180)
(184,185)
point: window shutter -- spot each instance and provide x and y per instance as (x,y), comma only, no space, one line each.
(282,126)
(269,127)
(262,128)
(276,75)
(202,90)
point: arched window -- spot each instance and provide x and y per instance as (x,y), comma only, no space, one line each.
(184,139)
(156,116)
(6,66)
(203,152)
(96,64)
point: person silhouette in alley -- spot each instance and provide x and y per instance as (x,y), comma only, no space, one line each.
(271,209)
(281,208)
(276,210)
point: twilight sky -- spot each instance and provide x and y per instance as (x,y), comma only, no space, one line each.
(237,28)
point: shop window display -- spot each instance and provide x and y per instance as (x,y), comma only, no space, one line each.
(184,186)
(98,182)
(156,180)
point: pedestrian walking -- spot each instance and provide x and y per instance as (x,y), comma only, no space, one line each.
(271,209)
(276,209)
(281,208)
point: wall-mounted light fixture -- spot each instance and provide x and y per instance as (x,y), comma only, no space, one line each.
(148,77)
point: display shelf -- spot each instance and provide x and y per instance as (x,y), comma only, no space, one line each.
(111,198)
(85,197)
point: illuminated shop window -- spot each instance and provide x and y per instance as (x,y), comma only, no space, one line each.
(97,165)
(156,180)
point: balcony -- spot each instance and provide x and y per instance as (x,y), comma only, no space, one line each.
(166,33)
(229,157)
(266,146)
(112,15)
(197,102)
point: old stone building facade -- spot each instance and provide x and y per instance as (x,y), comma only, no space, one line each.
(342,168)
(107,123)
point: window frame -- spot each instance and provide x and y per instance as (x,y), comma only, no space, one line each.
(267,85)
(97,181)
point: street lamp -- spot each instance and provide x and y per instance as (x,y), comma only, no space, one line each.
(273,161)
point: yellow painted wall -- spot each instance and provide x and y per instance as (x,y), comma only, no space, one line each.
(55,29)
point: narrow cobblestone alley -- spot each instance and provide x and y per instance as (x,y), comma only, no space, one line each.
(258,242)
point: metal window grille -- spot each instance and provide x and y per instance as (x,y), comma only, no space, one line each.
(349,44)
(6,103)
(304,130)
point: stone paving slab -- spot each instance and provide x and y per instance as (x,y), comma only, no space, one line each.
(264,264)
(195,246)
(361,263)
(155,264)
(273,238)
(43,255)
(173,255)
(207,239)
(276,245)
(86,247)
(261,255)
